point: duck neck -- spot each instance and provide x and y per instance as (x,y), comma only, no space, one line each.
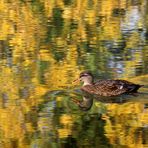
(87,83)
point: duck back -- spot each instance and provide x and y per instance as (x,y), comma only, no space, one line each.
(111,87)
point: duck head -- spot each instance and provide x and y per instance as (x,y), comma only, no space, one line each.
(86,77)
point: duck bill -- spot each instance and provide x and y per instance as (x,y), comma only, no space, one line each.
(76,81)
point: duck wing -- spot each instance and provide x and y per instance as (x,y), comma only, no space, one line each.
(111,87)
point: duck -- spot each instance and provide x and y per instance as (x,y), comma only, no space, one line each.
(108,87)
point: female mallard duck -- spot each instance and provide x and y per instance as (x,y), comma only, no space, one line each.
(107,87)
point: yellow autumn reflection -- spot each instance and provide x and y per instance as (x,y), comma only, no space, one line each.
(66,121)
(44,45)
(128,119)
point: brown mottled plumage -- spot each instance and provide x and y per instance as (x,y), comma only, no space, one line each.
(107,87)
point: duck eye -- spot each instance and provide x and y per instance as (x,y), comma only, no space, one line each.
(84,75)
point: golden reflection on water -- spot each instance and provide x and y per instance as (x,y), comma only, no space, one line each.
(44,45)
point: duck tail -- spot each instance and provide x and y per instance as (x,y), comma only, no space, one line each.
(136,87)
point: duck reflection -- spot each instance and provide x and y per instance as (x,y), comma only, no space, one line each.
(87,100)
(85,104)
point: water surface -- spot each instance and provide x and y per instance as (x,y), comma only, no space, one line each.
(44,45)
